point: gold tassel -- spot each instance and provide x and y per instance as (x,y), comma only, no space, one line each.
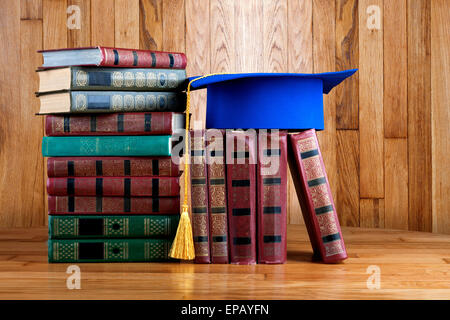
(183,244)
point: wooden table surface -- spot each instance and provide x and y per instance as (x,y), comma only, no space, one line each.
(413,265)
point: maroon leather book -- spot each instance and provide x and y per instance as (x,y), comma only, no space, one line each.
(111,167)
(130,58)
(112,205)
(114,186)
(217,195)
(241,186)
(272,196)
(133,123)
(199,197)
(316,200)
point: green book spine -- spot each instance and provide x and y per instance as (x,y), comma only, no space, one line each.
(86,226)
(106,146)
(126,101)
(108,250)
(133,79)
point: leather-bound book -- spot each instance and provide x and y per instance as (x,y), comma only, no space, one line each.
(241,186)
(316,200)
(272,196)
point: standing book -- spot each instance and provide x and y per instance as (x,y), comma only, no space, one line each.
(316,200)
(241,159)
(272,196)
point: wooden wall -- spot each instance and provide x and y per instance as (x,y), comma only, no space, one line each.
(386,143)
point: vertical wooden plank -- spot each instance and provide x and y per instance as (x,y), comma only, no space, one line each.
(198,51)
(396,183)
(324,61)
(10,122)
(249,36)
(126,24)
(79,37)
(222,34)
(54,24)
(371,103)
(31,180)
(395,70)
(371,213)
(440,111)
(300,59)
(419,115)
(102,23)
(30,9)
(347,57)
(275,36)
(151,25)
(347,198)
(174,26)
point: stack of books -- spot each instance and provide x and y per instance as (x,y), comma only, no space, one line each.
(112,117)
(239,195)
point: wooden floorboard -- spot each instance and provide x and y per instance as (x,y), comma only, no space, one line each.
(413,265)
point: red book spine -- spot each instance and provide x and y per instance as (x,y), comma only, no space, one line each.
(112,205)
(217,195)
(313,191)
(199,197)
(111,167)
(148,123)
(114,186)
(118,57)
(272,196)
(241,187)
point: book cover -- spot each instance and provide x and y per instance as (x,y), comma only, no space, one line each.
(110,101)
(106,146)
(272,196)
(316,200)
(108,250)
(111,79)
(117,124)
(112,205)
(127,226)
(241,194)
(114,186)
(122,57)
(199,197)
(112,167)
(217,195)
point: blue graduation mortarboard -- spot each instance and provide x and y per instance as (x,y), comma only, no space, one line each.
(267,100)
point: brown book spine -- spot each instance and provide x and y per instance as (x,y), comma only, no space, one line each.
(272,196)
(217,195)
(313,191)
(199,197)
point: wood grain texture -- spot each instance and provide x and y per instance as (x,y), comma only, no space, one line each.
(347,57)
(31,9)
(440,114)
(395,67)
(174,26)
(300,60)
(223,52)
(126,23)
(54,24)
(419,115)
(198,48)
(80,37)
(151,25)
(413,265)
(102,23)
(371,213)
(347,198)
(324,60)
(371,104)
(396,183)
(275,36)
(249,42)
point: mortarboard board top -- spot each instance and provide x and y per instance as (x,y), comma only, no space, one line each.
(267,100)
